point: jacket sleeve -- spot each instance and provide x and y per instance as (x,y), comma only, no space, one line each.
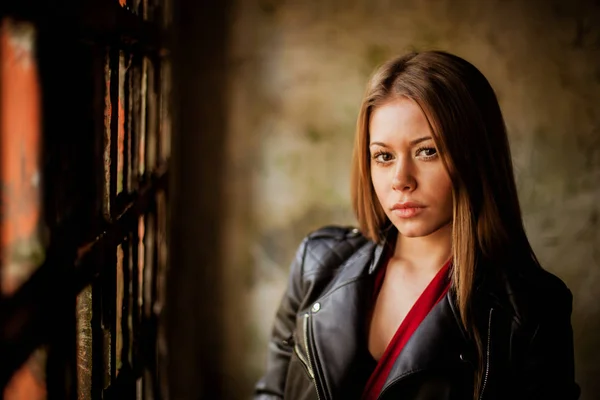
(272,385)
(549,371)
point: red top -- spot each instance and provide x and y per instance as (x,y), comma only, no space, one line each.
(433,293)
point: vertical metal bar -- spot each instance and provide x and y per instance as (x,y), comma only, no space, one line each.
(113,140)
(158,388)
(118,348)
(146,272)
(137,261)
(126,320)
(136,333)
(101,331)
(145,13)
(84,344)
(21,251)
(151,136)
(136,6)
(84,159)
(146,220)
(99,376)
(107,192)
(150,283)
(133,110)
(165,112)
(143,95)
(136,74)
(121,177)
(160,286)
(100,94)
(159,274)
(144,303)
(150,265)
(109,278)
(167,14)
(129,134)
(110,290)
(161,250)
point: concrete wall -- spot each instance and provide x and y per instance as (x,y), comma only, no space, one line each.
(297,70)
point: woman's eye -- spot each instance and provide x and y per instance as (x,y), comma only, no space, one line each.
(426,152)
(382,156)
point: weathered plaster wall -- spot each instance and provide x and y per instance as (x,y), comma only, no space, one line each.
(298,69)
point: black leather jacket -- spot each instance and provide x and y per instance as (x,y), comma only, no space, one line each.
(318,345)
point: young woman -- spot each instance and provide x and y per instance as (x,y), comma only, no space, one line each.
(438,294)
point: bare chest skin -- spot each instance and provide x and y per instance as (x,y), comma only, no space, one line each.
(400,289)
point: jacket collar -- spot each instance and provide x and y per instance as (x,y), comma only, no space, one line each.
(381,248)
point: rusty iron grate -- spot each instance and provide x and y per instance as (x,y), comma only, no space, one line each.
(83,198)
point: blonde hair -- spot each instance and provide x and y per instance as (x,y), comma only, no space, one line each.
(470,135)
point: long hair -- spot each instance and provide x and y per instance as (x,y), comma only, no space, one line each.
(470,134)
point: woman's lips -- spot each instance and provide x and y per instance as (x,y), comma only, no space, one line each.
(407,209)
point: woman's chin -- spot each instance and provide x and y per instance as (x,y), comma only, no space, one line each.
(415,229)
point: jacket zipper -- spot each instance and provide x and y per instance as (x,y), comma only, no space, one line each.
(304,361)
(309,364)
(487,355)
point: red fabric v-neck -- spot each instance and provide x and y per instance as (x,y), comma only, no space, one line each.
(433,293)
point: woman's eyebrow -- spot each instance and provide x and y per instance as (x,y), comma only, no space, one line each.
(412,142)
(419,140)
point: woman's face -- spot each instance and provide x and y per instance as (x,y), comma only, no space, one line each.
(409,178)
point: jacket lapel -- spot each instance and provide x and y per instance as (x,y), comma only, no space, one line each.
(438,342)
(339,324)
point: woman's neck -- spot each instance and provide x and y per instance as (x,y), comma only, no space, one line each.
(426,252)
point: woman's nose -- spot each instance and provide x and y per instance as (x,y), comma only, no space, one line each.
(403,179)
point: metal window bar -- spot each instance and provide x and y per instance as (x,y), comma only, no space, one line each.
(104,205)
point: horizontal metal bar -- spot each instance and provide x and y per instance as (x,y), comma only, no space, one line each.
(107,22)
(103,22)
(33,315)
